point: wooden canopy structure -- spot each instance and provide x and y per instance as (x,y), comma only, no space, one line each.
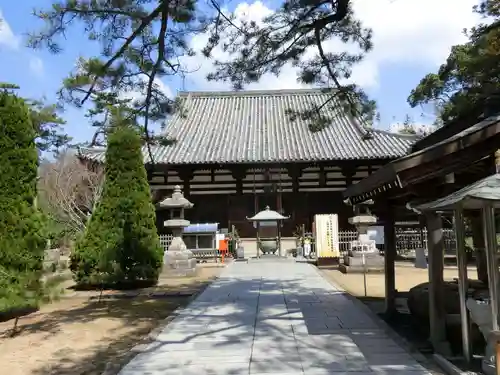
(442,160)
(445,165)
(483,196)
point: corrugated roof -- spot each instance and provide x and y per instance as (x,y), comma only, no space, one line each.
(253,127)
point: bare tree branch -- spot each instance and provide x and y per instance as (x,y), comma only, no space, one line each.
(69,190)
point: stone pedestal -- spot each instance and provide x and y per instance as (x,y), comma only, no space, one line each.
(178,260)
(374,263)
(371,260)
(179,264)
(363,248)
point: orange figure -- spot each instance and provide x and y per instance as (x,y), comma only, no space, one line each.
(223,248)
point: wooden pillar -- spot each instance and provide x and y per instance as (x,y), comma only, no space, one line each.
(389,263)
(322,176)
(239,175)
(479,247)
(186,176)
(149,172)
(497,161)
(295,172)
(437,313)
(348,174)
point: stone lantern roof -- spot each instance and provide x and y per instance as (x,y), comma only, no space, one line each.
(177,200)
(268,215)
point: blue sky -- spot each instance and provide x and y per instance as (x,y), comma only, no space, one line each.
(409,42)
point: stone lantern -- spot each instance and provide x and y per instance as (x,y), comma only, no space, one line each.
(178,260)
(363,254)
(272,218)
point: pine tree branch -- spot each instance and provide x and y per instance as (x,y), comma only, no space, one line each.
(144,23)
(161,57)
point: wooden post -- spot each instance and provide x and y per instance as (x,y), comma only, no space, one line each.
(239,175)
(497,351)
(437,313)
(463,282)
(497,161)
(389,264)
(186,175)
(295,172)
(479,247)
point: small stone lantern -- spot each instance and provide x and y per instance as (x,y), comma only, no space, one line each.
(363,254)
(178,260)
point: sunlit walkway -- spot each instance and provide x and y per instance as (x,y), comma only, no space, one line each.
(273,317)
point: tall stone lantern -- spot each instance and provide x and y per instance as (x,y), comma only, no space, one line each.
(178,260)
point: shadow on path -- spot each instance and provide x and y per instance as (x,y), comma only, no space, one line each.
(257,318)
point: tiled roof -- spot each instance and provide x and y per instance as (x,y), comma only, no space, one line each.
(253,127)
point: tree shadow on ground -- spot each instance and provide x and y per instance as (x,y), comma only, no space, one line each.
(133,315)
(140,316)
(402,322)
(271,318)
(284,322)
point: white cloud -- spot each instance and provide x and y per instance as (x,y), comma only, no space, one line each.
(7,36)
(13,42)
(414,32)
(141,93)
(36,66)
(406,32)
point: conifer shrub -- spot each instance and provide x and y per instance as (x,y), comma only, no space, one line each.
(120,247)
(22,231)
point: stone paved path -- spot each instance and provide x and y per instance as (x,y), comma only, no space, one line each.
(270,317)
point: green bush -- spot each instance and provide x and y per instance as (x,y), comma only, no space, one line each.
(22,239)
(120,247)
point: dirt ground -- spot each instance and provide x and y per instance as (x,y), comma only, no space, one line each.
(79,334)
(407,276)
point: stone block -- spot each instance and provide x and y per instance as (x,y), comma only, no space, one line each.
(360,269)
(371,260)
(179,264)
